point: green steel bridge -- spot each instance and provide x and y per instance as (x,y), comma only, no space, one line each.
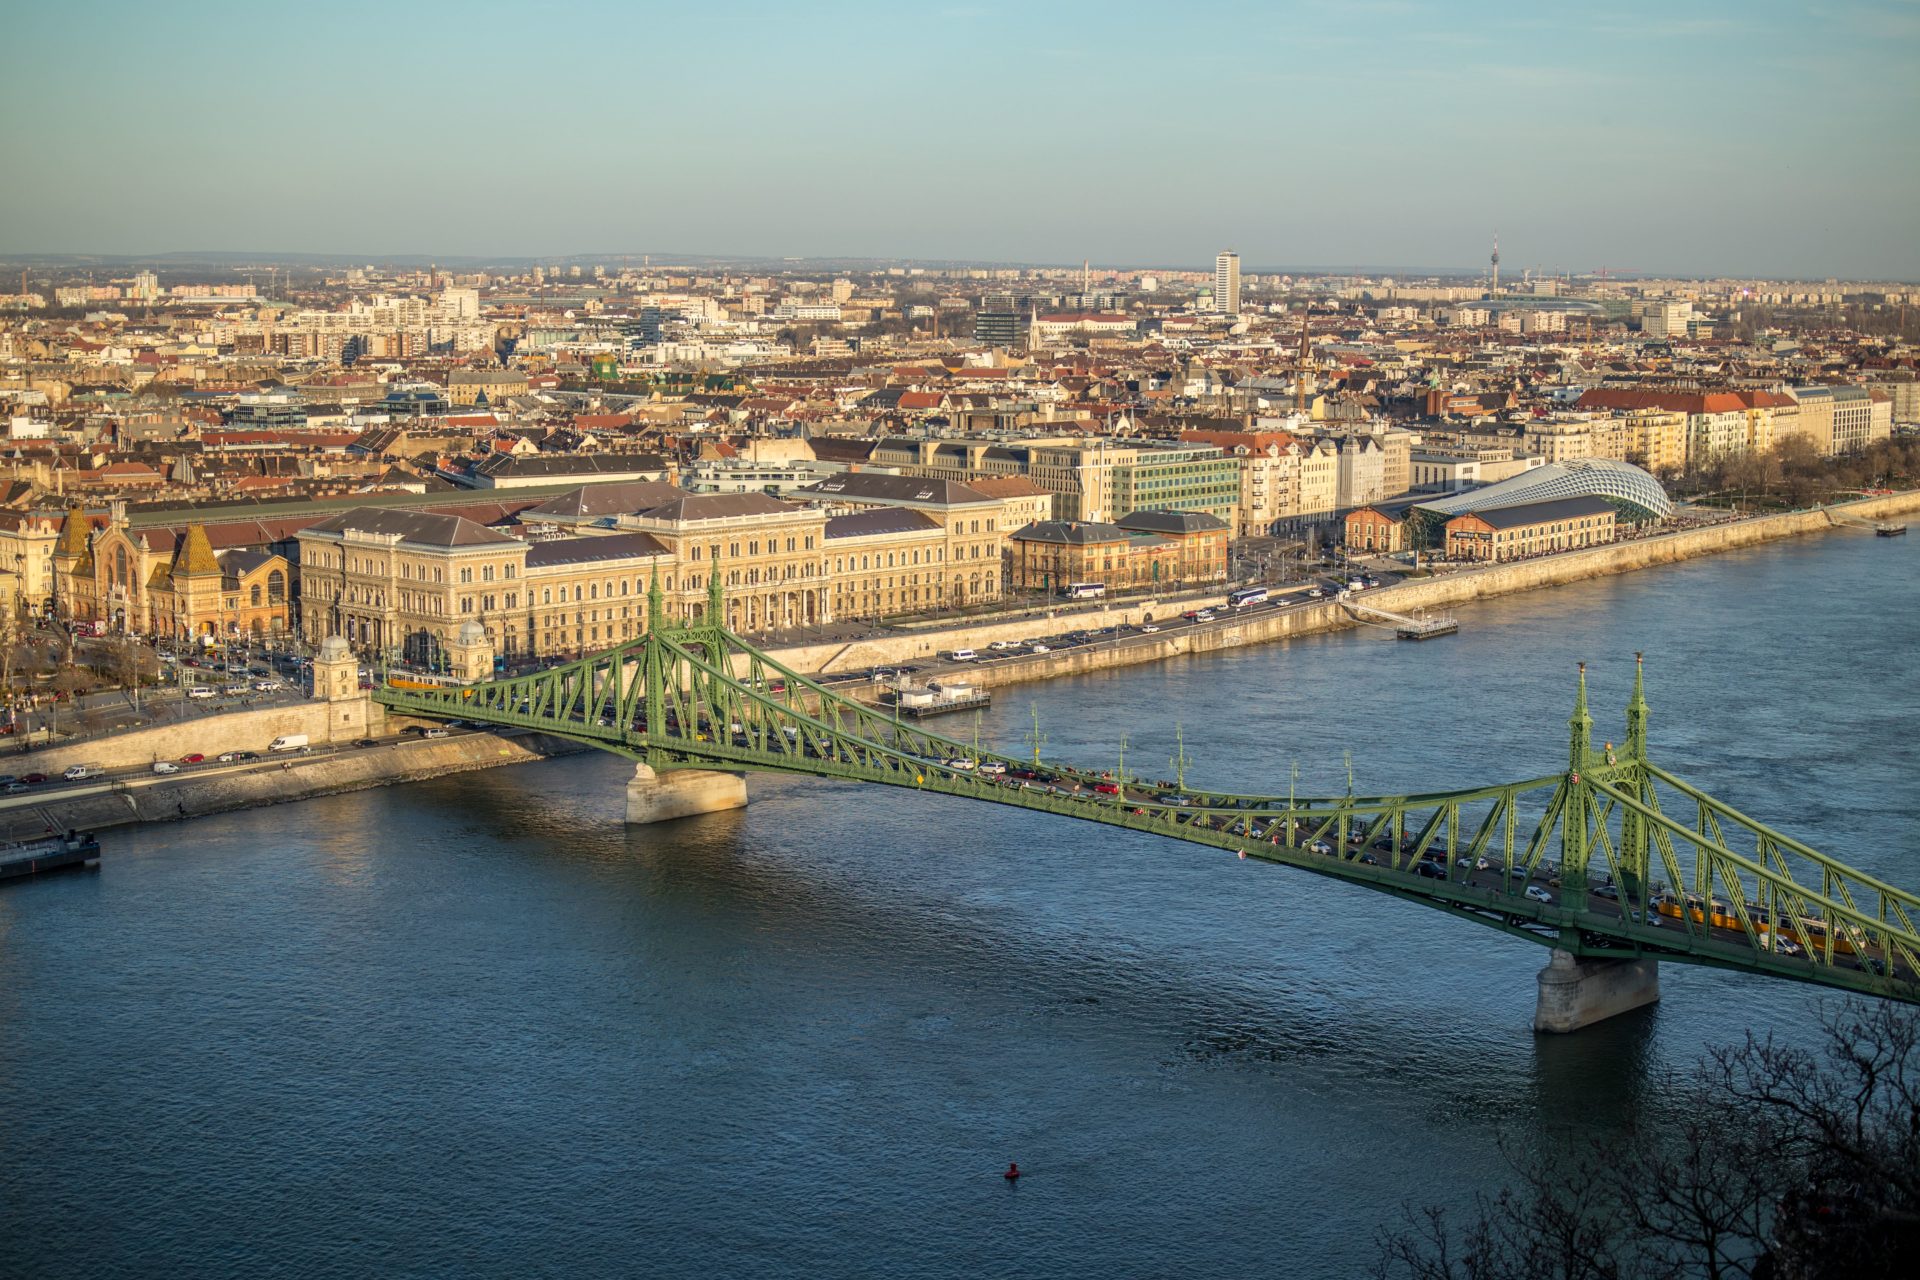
(1614,859)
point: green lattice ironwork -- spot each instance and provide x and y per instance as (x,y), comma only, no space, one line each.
(1614,857)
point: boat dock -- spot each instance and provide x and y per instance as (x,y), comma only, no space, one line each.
(1424,627)
(1427,628)
(938,698)
(52,853)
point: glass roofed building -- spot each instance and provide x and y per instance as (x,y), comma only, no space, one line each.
(1637,494)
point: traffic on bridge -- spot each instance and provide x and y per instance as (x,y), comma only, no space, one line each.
(1594,862)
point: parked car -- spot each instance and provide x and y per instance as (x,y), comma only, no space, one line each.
(1037,647)
(33,779)
(192,757)
(1000,646)
(1148,628)
(200,691)
(227,757)
(14,788)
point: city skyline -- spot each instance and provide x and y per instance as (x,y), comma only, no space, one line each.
(1640,140)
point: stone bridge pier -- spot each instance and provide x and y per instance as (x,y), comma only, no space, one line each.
(1578,991)
(662,796)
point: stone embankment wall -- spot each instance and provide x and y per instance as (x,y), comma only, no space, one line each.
(1449,587)
(923,643)
(323,723)
(195,794)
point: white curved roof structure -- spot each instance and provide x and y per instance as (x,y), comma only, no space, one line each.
(1608,478)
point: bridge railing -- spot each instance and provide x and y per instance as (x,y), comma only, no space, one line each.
(705,698)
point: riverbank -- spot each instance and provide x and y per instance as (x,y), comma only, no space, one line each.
(1448,586)
(221,789)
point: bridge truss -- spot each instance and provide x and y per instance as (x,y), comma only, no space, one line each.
(1615,857)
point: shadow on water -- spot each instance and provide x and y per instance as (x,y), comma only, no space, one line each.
(725,872)
(1602,1076)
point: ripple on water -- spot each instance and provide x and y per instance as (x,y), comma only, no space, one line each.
(476,1026)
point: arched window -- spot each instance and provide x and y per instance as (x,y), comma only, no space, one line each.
(254,597)
(120,565)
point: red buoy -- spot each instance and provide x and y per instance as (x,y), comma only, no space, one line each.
(1013,1171)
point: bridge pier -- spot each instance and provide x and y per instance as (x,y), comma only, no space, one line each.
(1578,991)
(681,793)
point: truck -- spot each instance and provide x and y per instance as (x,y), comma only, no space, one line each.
(288,742)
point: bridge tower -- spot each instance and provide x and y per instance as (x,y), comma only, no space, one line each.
(1577,991)
(1633,830)
(656,793)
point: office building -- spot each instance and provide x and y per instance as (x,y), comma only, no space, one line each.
(1226,283)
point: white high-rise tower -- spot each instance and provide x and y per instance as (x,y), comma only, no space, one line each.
(1226,283)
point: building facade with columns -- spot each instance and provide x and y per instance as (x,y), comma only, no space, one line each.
(404,581)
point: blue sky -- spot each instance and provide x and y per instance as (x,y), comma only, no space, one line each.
(1704,136)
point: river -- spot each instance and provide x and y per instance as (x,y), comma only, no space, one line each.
(476,1026)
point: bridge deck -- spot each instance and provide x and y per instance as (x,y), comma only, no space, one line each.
(1631,881)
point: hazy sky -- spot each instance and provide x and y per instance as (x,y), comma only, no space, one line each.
(1738,136)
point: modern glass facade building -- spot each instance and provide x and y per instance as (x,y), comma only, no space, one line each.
(1634,491)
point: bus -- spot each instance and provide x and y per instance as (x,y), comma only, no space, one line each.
(1247,597)
(1084,590)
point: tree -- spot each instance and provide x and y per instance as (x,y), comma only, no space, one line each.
(12,649)
(133,666)
(1782,1163)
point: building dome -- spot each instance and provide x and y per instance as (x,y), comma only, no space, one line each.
(472,633)
(334,649)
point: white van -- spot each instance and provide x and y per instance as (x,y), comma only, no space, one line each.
(962,655)
(288,742)
(200,691)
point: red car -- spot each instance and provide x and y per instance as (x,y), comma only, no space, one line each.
(195,758)
(1107,788)
(33,779)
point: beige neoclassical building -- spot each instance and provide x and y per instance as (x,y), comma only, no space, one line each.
(405,581)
